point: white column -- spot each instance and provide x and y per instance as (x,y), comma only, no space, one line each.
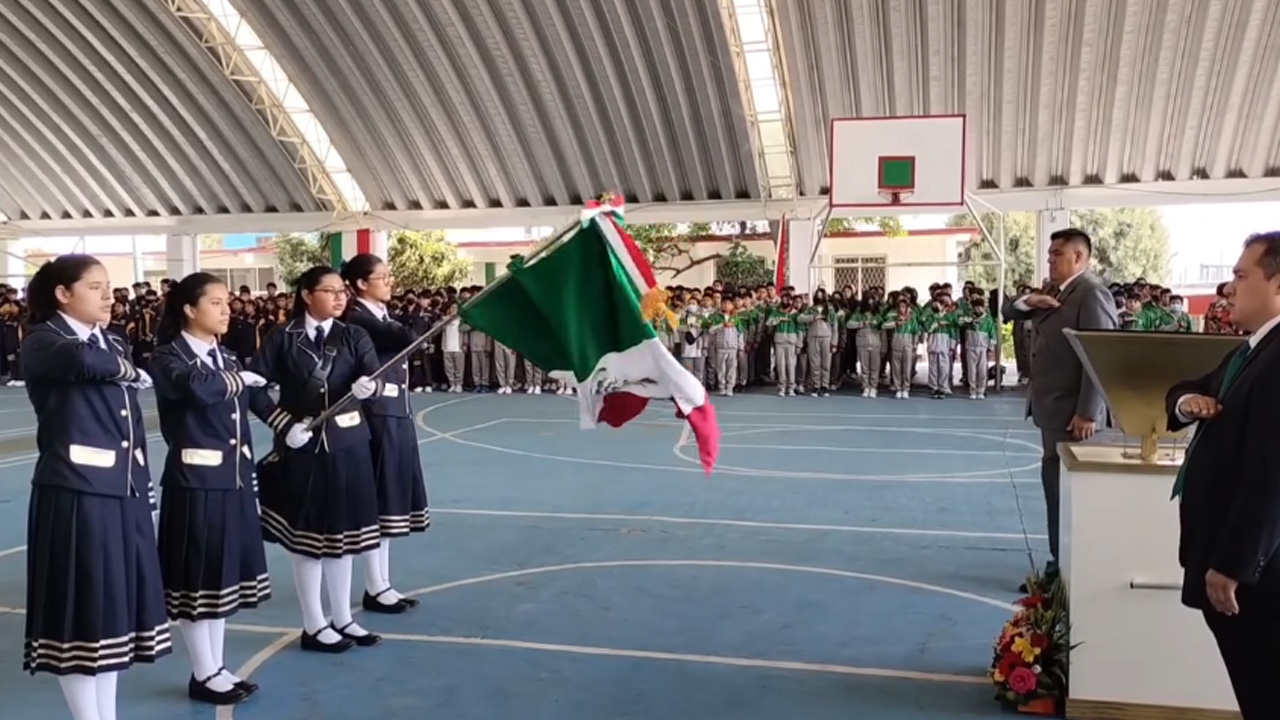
(801,236)
(181,255)
(1048,222)
(15,267)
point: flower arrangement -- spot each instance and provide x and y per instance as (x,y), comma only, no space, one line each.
(1029,665)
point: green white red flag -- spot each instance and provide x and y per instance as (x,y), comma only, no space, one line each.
(579,308)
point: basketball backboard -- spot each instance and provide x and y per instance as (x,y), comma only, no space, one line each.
(898,162)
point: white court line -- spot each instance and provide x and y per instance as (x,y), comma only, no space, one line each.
(879,450)
(459,431)
(733,523)
(870,416)
(13,551)
(974,477)
(975,431)
(262,656)
(791,665)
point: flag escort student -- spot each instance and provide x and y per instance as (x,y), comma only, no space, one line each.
(402,492)
(319,493)
(210,537)
(95,593)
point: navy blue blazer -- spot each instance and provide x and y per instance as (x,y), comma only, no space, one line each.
(289,356)
(389,338)
(204,417)
(91,436)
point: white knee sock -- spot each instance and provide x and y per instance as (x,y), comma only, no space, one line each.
(81,693)
(374,582)
(217,641)
(308,576)
(106,692)
(337,580)
(384,561)
(196,637)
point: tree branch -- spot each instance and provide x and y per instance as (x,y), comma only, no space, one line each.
(677,271)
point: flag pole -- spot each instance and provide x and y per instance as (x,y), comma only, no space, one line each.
(547,246)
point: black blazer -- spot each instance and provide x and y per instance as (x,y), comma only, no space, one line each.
(1230,511)
(389,338)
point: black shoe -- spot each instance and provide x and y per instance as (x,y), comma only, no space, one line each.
(367,640)
(313,643)
(248,688)
(371,604)
(199,691)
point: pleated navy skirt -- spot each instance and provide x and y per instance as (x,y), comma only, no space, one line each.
(320,505)
(402,493)
(95,595)
(211,553)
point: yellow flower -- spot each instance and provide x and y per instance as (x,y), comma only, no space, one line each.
(1023,647)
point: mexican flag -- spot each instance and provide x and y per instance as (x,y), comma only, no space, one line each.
(580,308)
(343,246)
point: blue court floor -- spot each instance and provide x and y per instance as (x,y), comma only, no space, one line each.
(852,558)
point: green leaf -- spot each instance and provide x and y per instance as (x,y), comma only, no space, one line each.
(295,254)
(425,259)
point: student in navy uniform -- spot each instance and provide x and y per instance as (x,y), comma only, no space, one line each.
(95,597)
(211,552)
(318,494)
(402,493)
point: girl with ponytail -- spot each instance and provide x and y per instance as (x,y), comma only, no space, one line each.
(402,494)
(211,552)
(95,596)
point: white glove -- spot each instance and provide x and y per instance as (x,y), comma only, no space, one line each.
(297,436)
(364,388)
(252,379)
(143,382)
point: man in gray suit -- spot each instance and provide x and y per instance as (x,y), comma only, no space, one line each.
(1062,401)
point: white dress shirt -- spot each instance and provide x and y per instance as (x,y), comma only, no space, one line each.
(378,309)
(1021,303)
(1254,339)
(311,324)
(202,348)
(84,331)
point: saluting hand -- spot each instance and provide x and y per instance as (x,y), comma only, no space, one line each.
(1199,407)
(1041,302)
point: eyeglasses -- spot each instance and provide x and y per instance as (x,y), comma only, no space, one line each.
(335,292)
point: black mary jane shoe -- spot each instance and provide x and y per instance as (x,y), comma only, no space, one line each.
(199,691)
(372,604)
(367,640)
(248,688)
(313,643)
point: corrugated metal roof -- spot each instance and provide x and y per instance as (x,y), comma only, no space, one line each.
(110,109)
(1068,92)
(452,104)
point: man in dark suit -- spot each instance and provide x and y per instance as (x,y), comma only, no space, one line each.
(1061,400)
(1229,486)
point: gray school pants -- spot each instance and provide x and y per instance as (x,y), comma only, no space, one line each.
(504,361)
(480,366)
(784,357)
(975,368)
(869,362)
(727,367)
(820,362)
(453,366)
(533,375)
(902,361)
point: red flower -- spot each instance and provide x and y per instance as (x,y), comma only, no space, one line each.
(1008,665)
(1022,681)
(1032,601)
(1038,641)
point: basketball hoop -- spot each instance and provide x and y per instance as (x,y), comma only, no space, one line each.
(895,196)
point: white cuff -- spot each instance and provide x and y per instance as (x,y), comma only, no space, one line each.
(1021,304)
(1177,410)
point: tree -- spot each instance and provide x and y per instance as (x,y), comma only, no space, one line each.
(742,268)
(295,254)
(420,260)
(1020,249)
(1128,243)
(890,225)
(669,247)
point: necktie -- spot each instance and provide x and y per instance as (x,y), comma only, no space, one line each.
(215,359)
(319,337)
(93,341)
(1234,366)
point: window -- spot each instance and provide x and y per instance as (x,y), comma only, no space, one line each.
(860,271)
(255,277)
